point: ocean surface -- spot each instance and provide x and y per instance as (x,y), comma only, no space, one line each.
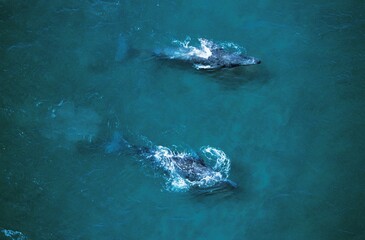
(72,73)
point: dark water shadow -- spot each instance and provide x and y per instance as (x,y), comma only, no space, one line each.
(235,78)
(241,192)
(215,193)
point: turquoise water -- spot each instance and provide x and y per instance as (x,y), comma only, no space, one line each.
(74,72)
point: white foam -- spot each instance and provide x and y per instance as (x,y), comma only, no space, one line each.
(178,184)
(201,66)
(222,162)
(203,52)
(13,235)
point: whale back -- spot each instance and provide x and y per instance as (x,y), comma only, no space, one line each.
(193,169)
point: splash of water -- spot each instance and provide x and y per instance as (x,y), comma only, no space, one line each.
(206,47)
(203,52)
(222,162)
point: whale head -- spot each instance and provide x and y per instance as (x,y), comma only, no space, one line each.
(235,60)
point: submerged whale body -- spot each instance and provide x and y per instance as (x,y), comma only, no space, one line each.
(183,170)
(208,56)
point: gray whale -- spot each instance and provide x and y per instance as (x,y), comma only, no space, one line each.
(208,56)
(184,168)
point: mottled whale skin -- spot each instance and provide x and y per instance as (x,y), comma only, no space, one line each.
(209,56)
